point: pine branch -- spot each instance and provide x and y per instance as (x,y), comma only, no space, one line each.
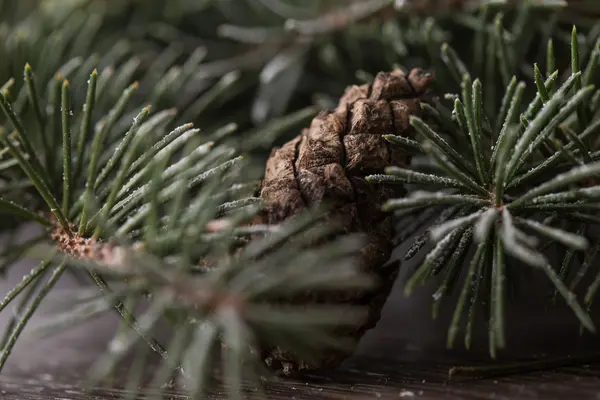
(131,234)
(506,186)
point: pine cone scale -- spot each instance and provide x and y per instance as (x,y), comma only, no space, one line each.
(280,184)
(320,144)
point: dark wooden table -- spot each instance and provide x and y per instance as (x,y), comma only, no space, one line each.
(404,357)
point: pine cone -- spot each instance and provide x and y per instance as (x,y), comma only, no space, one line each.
(327,163)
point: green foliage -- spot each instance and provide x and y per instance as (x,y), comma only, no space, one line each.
(150,204)
(530,168)
(161,201)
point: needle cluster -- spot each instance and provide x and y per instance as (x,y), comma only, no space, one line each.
(510,183)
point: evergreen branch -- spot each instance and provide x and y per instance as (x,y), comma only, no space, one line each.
(191,294)
(531,180)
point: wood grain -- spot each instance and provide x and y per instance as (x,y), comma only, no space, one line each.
(366,379)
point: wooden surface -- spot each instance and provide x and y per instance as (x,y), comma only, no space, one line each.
(397,380)
(404,357)
(361,378)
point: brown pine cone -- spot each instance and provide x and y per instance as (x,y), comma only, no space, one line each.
(327,163)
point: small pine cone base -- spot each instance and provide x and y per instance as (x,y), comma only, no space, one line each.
(88,248)
(327,164)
